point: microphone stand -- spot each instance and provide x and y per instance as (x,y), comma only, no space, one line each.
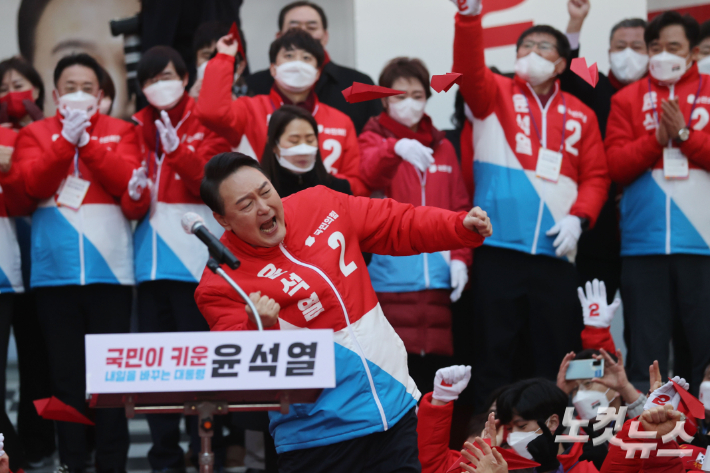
(214,267)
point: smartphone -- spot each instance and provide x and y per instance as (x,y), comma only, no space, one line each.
(585,369)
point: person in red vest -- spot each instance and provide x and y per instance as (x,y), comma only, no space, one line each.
(296,58)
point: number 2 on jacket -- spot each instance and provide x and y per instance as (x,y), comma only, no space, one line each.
(335,240)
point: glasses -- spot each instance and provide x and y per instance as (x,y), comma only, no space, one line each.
(544,46)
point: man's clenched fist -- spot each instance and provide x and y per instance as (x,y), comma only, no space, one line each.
(477,221)
(267,307)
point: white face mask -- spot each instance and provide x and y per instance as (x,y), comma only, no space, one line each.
(704,65)
(535,69)
(588,403)
(303,149)
(79,100)
(519,441)
(628,66)
(704,395)
(667,68)
(164,94)
(201,70)
(408,112)
(296,76)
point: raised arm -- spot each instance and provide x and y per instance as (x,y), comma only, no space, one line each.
(215,107)
(387,227)
(378,161)
(627,157)
(479,86)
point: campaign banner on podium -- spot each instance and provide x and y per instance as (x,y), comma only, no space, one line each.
(209,361)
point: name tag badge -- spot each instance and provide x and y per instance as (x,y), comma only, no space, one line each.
(73,192)
(549,164)
(675,164)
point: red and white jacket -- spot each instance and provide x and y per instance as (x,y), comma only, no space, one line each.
(10,205)
(244,122)
(319,278)
(93,244)
(162,249)
(661,216)
(510,126)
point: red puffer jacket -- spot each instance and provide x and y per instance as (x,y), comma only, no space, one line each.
(414,290)
(244,122)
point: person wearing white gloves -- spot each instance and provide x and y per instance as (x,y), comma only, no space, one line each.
(404,157)
(168,261)
(545,185)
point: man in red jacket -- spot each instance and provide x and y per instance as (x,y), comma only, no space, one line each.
(657,143)
(168,261)
(301,261)
(296,59)
(75,166)
(540,169)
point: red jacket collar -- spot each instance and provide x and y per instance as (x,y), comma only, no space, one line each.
(385,125)
(278,100)
(570,458)
(532,97)
(146,117)
(691,75)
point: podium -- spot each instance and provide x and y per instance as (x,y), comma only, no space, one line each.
(208,373)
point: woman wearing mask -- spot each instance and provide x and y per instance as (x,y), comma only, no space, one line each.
(21,93)
(168,261)
(291,158)
(405,158)
(21,102)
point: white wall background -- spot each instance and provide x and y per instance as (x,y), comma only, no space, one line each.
(425,29)
(259,22)
(8,27)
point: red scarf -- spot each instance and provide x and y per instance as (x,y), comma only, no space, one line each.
(308,104)
(176,114)
(424,133)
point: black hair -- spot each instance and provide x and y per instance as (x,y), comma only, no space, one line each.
(563,48)
(296,38)
(207,33)
(628,23)
(409,68)
(668,18)
(704,31)
(154,61)
(80,59)
(25,69)
(532,399)
(277,124)
(27,19)
(219,168)
(109,89)
(587,354)
(284,11)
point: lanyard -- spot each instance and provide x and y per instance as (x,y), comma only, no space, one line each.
(154,161)
(570,469)
(76,163)
(653,102)
(532,118)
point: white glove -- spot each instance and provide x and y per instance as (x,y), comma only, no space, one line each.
(468,7)
(415,153)
(138,182)
(595,310)
(2,445)
(457,377)
(568,231)
(666,394)
(75,124)
(168,135)
(459,278)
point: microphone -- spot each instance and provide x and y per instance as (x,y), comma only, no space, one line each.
(195,225)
